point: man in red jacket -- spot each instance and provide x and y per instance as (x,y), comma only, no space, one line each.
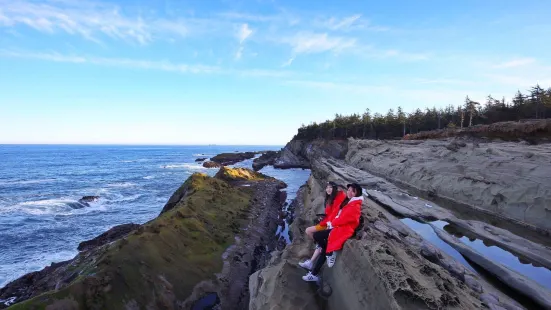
(338,231)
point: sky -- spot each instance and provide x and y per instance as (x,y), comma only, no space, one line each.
(251,72)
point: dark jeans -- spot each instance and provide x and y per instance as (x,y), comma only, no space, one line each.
(321,237)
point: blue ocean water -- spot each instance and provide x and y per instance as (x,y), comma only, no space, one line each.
(39,185)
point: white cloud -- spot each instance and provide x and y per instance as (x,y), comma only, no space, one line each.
(166,66)
(304,43)
(515,63)
(87,19)
(244,32)
(114,62)
(288,62)
(239,52)
(345,23)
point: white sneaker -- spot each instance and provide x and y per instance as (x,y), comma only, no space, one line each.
(307,264)
(331,259)
(310,278)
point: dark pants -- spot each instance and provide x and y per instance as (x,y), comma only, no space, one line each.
(321,237)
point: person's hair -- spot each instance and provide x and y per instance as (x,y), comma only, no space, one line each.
(329,199)
(357,188)
(344,202)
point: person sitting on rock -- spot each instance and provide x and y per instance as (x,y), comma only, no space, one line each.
(338,231)
(334,197)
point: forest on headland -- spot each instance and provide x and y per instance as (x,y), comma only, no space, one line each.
(535,104)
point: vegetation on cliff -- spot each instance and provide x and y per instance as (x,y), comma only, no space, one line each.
(158,264)
(240,174)
(396,123)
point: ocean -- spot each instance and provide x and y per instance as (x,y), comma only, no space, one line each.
(40,219)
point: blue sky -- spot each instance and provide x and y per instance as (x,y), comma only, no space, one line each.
(251,72)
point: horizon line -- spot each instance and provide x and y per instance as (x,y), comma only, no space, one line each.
(137,144)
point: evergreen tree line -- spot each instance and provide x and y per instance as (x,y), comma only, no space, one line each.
(536,104)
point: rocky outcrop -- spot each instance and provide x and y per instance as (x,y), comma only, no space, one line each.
(266,159)
(533,131)
(299,153)
(211,164)
(391,266)
(226,159)
(111,235)
(175,261)
(241,174)
(200,159)
(507,180)
(388,266)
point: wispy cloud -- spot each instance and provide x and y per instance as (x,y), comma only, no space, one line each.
(88,19)
(114,62)
(515,63)
(239,53)
(126,63)
(305,42)
(345,23)
(244,32)
(288,62)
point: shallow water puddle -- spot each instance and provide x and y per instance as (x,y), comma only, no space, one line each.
(208,301)
(426,231)
(540,275)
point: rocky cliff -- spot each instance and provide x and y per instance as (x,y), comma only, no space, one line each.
(198,252)
(390,265)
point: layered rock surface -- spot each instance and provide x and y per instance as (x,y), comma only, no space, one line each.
(506,179)
(391,266)
(386,267)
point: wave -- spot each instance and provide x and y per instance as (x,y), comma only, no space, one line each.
(122,184)
(30,264)
(127,198)
(57,206)
(184,166)
(23,182)
(202,155)
(149,177)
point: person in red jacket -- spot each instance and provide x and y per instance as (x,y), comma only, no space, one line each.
(338,231)
(333,200)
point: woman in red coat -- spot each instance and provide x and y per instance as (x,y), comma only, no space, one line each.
(333,200)
(338,231)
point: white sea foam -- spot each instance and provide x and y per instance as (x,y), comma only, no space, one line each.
(122,184)
(127,198)
(149,177)
(23,182)
(184,166)
(59,206)
(12,271)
